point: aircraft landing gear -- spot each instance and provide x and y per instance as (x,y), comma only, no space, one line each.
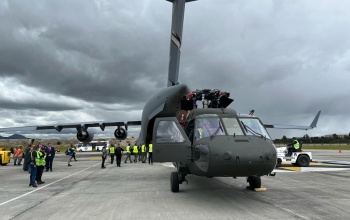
(254,182)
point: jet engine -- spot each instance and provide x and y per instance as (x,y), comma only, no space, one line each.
(120,133)
(85,136)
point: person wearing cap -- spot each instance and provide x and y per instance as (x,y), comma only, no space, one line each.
(293,147)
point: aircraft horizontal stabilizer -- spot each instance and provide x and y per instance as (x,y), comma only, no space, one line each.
(312,125)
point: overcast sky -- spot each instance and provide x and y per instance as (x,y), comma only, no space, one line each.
(74,61)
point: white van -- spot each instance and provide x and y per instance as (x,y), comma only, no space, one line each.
(91,146)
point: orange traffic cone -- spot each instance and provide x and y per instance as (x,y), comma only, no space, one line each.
(339,150)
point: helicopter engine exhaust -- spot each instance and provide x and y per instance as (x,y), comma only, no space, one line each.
(85,136)
(120,133)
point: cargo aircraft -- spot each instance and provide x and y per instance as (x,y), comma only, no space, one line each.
(211,141)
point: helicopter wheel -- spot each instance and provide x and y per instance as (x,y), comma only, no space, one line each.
(174,182)
(254,182)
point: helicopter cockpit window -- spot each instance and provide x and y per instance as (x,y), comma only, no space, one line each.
(232,126)
(167,132)
(254,127)
(206,127)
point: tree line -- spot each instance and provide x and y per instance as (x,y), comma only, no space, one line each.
(306,139)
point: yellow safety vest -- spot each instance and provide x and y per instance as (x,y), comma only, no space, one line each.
(37,159)
(150,148)
(296,146)
(200,130)
(143,148)
(43,160)
(111,150)
(128,149)
(135,149)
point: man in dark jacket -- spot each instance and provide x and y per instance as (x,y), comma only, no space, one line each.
(27,159)
(119,153)
(50,154)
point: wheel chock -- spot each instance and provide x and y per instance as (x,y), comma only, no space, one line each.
(260,189)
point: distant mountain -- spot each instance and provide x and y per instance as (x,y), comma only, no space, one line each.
(14,136)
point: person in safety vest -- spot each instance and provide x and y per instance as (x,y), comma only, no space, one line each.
(40,164)
(150,151)
(128,152)
(35,159)
(136,152)
(119,153)
(144,153)
(293,147)
(112,152)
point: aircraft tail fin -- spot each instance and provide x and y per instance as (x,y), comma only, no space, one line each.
(175,40)
(314,122)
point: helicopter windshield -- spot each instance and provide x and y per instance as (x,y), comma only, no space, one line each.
(254,127)
(232,126)
(208,126)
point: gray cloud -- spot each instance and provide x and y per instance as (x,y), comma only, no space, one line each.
(285,59)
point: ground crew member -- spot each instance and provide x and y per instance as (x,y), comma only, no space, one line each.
(34,157)
(136,152)
(70,153)
(144,153)
(112,152)
(40,164)
(150,151)
(139,152)
(104,156)
(128,153)
(118,153)
(294,146)
(73,149)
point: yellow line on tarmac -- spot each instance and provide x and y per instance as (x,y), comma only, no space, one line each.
(296,169)
(326,164)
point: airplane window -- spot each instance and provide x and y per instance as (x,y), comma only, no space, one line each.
(232,126)
(206,127)
(167,132)
(254,127)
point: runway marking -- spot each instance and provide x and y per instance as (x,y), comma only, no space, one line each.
(46,185)
(295,169)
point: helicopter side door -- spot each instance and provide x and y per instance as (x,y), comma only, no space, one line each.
(170,143)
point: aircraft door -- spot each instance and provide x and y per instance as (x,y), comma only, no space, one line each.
(170,143)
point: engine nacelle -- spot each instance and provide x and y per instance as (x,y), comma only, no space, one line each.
(120,134)
(85,136)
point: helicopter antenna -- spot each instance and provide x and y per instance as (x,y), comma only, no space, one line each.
(175,40)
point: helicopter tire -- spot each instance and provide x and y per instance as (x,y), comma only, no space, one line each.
(254,182)
(174,182)
(303,161)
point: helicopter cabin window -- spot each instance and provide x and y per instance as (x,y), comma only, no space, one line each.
(254,127)
(167,132)
(206,127)
(232,126)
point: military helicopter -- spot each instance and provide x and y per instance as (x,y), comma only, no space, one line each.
(212,141)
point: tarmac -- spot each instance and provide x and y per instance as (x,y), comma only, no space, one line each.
(142,191)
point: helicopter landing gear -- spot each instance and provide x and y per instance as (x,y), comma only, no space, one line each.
(254,182)
(177,178)
(174,182)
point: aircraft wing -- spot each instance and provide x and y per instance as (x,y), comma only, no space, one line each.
(312,125)
(80,126)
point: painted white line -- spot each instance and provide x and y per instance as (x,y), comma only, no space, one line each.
(45,186)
